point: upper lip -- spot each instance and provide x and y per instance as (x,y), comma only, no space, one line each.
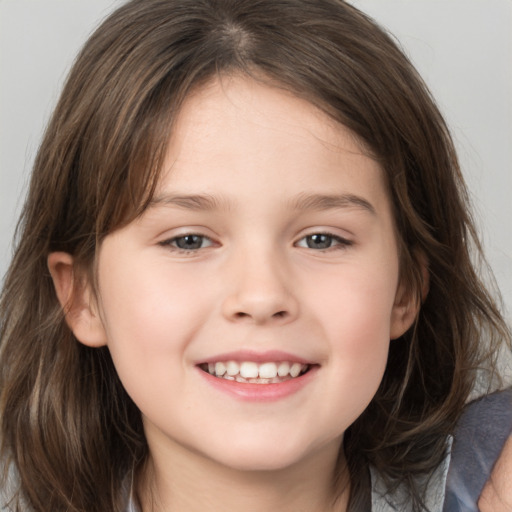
(256,357)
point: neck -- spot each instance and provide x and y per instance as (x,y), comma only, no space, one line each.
(191,483)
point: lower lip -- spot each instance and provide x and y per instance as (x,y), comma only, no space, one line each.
(259,392)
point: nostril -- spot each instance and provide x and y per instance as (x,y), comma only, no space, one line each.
(278,314)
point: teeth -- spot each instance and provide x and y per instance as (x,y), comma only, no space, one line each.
(295,369)
(249,371)
(232,368)
(284,369)
(220,369)
(268,371)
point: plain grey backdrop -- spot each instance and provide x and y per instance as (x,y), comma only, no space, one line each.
(463,49)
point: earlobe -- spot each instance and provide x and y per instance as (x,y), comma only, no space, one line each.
(408,303)
(77,301)
(402,317)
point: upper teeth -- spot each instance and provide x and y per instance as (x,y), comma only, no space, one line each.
(252,370)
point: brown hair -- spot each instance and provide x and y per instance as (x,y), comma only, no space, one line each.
(67,424)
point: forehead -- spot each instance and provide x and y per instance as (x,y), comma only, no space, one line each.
(240,137)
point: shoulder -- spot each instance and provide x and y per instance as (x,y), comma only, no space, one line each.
(471,455)
(480,436)
(130,504)
(434,486)
(497,493)
(9,489)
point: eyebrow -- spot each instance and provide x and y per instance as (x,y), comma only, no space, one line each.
(316,202)
(198,202)
(320,202)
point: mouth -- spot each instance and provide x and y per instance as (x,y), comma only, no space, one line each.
(251,372)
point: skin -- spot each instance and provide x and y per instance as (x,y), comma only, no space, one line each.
(497,493)
(261,157)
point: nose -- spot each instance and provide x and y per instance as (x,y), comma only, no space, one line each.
(260,291)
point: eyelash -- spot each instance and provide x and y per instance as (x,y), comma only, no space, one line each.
(334,242)
(172,243)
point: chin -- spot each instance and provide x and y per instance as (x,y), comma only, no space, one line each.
(259,464)
(273,456)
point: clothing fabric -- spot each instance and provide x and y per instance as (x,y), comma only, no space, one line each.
(382,501)
(456,485)
(471,452)
(481,434)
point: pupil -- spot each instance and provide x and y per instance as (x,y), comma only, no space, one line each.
(189,242)
(319,241)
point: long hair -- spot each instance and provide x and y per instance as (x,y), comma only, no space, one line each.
(68,428)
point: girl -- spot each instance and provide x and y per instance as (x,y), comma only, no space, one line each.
(243,277)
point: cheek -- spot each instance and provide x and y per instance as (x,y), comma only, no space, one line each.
(355,316)
(356,304)
(148,303)
(360,340)
(149,319)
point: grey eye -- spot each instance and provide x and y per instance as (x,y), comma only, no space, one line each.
(322,241)
(319,241)
(190,242)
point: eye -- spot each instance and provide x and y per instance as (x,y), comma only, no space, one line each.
(322,241)
(188,242)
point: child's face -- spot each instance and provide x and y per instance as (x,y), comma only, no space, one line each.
(270,240)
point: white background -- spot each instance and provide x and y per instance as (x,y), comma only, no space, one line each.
(463,49)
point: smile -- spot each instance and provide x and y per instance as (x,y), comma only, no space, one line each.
(251,372)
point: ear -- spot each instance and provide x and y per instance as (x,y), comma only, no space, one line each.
(77,301)
(408,302)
